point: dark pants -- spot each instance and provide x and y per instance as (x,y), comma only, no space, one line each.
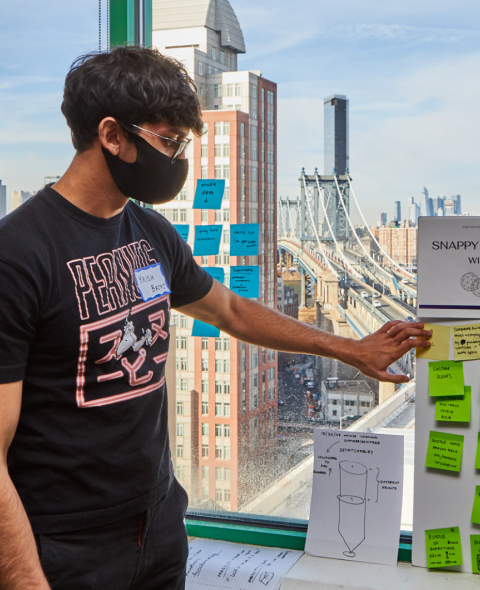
(147,551)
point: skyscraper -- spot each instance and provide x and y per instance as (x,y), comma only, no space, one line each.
(426,206)
(336,155)
(226,389)
(383,219)
(20,197)
(3,200)
(413,212)
(397,211)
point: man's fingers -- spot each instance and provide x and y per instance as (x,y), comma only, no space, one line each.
(412,343)
(412,333)
(388,326)
(398,328)
(390,378)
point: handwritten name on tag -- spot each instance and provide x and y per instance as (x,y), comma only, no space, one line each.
(151,282)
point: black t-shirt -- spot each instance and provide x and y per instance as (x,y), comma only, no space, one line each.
(84,321)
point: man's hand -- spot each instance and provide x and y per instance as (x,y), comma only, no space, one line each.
(373,354)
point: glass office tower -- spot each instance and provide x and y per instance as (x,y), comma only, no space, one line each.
(336,135)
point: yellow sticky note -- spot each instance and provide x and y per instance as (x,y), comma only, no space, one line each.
(466,342)
(440,340)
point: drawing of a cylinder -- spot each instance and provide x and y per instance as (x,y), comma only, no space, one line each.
(352,504)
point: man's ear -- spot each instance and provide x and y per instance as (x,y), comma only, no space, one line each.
(111,136)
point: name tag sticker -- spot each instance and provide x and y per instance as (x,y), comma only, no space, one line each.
(151,282)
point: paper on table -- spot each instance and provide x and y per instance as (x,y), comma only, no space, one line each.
(245,280)
(466,342)
(183,229)
(475,548)
(207,239)
(444,547)
(440,348)
(204,330)
(454,409)
(444,451)
(445,378)
(477,456)
(476,506)
(244,239)
(357,496)
(209,193)
(218,564)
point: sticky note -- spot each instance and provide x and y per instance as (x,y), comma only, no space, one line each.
(444,451)
(440,348)
(182,230)
(445,378)
(466,342)
(476,506)
(209,193)
(244,239)
(207,240)
(444,547)
(245,280)
(475,548)
(477,456)
(454,409)
(216,272)
(204,330)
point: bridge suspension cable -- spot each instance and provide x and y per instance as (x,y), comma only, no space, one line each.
(401,269)
(347,264)
(382,270)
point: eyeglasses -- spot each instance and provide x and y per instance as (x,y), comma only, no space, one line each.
(181,145)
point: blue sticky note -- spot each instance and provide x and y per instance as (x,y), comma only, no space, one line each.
(207,240)
(209,193)
(182,230)
(216,272)
(204,330)
(245,280)
(244,239)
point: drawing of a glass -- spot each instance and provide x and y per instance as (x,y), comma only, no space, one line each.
(352,504)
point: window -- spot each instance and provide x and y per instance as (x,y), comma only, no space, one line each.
(334,413)
(214,53)
(226,344)
(204,215)
(179,408)
(226,410)
(226,431)
(179,450)
(204,150)
(238,90)
(242,129)
(218,150)
(218,409)
(218,344)
(204,260)
(255,359)
(226,453)
(218,172)
(226,232)
(218,452)
(218,128)
(204,364)
(226,194)
(218,430)
(242,172)
(254,111)
(226,217)
(204,343)
(229,89)
(226,387)
(219,473)
(254,91)
(226,495)
(226,128)
(179,429)
(226,172)
(183,342)
(226,260)
(183,215)
(226,152)
(204,171)
(205,451)
(175,215)
(226,473)
(200,68)
(218,387)
(254,133)
(204,408)
(204,428)
(183,364)
(222,57)
(179,472)
(183,320)
(218,365)
(218,257)
(254,174)
(218,215)
(204,471)
(204,386)
(183,385)
(254,151)
(255,380)
(226,366)
(218,495)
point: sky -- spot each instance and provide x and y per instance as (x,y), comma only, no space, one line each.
(410,70)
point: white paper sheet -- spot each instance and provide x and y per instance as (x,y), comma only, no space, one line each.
(356,496)
(218,564)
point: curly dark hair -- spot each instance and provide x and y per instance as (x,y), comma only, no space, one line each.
(131,84)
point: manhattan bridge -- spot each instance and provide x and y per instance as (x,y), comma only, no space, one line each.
(346,277)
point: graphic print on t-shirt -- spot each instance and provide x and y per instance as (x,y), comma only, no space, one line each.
(121,356)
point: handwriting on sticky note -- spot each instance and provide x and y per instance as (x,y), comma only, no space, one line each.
(476,506)
(454,409)
(207,240)
(244,239)
(466,342)
(444,547)
(245,280)
(440,348)
(445,378)
(475,549)
(209,193)
(444,451)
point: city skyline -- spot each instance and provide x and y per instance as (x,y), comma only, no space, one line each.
(407,127)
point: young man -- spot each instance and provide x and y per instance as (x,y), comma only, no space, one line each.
(88,499)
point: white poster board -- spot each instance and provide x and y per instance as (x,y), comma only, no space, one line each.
(356,496)
(445,498)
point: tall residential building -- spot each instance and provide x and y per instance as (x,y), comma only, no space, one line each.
(227,388)
(397,211)
(20,197)
(400,243)
(336,155)
(3,200)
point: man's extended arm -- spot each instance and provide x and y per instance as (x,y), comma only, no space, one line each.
(257,324)
(20,567)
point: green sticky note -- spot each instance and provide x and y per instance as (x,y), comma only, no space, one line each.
(444,547)
(454,409)
(476,506)
(475,548)
(477,456)
(445,378)
(444,451)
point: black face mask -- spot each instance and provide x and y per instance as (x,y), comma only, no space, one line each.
(152,178)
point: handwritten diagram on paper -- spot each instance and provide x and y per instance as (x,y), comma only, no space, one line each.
(356,497)
(218,564)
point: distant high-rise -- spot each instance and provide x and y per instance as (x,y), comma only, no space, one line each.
(413,211)
(426,207)
(457,204)
(20,197)
(383,219)
(336,158)
(438,206)
(397,211)
(3,200)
